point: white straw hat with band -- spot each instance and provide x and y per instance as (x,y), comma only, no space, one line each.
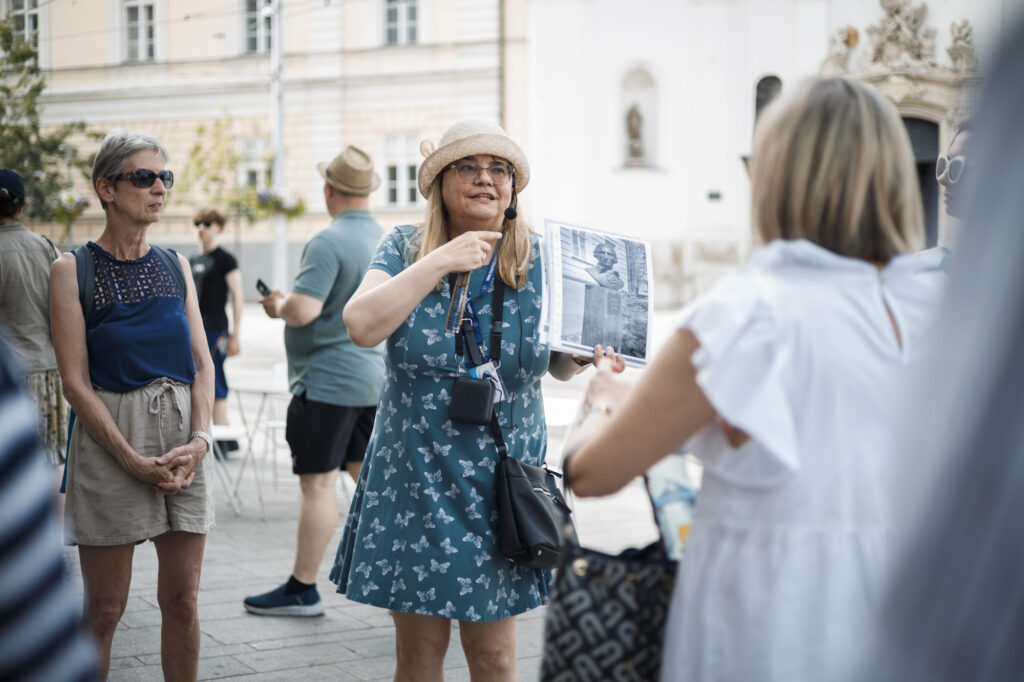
(350,172)
(467,137)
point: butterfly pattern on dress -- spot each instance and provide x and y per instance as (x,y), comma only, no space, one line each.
(420,535)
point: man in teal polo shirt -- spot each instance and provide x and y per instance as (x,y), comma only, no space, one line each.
(334,383)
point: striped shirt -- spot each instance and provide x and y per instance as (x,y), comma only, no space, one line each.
(41,636)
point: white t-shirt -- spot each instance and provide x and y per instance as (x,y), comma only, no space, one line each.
(787,554)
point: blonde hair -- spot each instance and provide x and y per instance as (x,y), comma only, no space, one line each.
(832,164)
(514,255)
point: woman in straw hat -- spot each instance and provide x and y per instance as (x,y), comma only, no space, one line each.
(421,536)
(785,376)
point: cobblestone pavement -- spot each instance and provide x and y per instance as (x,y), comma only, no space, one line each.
(246,555)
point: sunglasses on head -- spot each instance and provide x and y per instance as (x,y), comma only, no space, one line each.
(953,168)
(143,177)
(203,223)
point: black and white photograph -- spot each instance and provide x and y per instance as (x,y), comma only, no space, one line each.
(599,291)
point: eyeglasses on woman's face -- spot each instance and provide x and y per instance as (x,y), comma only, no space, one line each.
(952,167)
(500,173)
(144,178)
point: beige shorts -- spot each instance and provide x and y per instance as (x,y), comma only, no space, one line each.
(106,505)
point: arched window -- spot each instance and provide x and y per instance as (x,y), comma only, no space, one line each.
(768,88)
(639,118)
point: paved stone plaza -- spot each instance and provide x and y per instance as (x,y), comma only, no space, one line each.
(246,555)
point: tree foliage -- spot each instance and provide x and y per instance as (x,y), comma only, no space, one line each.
(210,175)
(38,156)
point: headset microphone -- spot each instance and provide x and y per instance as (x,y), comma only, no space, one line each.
(510,212)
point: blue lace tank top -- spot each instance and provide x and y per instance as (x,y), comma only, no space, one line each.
(138,331)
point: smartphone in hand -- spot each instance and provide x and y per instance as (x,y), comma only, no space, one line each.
(262,288)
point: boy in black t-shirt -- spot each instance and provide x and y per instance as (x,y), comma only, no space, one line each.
(215,272)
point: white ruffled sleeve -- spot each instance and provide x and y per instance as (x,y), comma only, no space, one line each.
(741,367)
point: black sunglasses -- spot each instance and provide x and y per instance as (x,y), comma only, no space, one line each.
(204,223)
(143,177)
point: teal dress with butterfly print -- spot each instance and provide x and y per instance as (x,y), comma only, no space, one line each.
(421,531)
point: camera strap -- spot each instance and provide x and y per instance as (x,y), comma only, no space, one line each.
(469,339)
(466,342)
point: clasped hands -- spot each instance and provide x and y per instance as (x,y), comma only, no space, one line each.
(173,471)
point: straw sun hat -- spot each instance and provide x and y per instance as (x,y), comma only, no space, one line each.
(350,172)
(467,137)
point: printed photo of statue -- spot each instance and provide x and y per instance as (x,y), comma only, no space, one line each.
(604,291)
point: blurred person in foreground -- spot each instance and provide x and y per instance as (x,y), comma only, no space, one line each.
(782,380)
(137,371)
(25,259)
(954,608)
(421,534)
(216,274)
(334,383)
(41,637)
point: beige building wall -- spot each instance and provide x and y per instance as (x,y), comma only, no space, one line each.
(342,85)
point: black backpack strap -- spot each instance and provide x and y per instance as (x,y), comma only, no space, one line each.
(170,259)
(86,270)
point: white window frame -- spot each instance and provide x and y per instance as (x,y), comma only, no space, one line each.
(263,33)
(401,164)
(252,152)
(28,13)
(401,22)
(145,46)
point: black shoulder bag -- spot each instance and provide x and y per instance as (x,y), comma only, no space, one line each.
(607,613)
(531,509)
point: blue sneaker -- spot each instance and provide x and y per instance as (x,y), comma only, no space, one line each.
(277,603)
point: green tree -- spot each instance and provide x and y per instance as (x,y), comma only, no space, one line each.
(38,156)
(210,174)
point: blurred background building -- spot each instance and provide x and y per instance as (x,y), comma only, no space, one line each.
(634,115)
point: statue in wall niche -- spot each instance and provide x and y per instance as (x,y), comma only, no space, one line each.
(961,52)
(634,128)
(837,60)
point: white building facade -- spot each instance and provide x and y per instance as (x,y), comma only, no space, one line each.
(693,70)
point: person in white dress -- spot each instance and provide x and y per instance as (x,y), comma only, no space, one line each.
(784,381)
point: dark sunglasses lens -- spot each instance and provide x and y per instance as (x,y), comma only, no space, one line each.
(202,224)
(143,177)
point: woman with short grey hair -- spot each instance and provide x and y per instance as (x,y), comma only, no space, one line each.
(135,366)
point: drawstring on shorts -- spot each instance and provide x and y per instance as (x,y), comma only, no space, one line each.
(156,403)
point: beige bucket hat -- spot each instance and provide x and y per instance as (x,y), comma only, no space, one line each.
(350,172)
(467,137)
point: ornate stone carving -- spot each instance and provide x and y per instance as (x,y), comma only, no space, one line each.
(961,52)
(900,40)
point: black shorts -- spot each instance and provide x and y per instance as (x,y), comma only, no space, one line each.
(322,437)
